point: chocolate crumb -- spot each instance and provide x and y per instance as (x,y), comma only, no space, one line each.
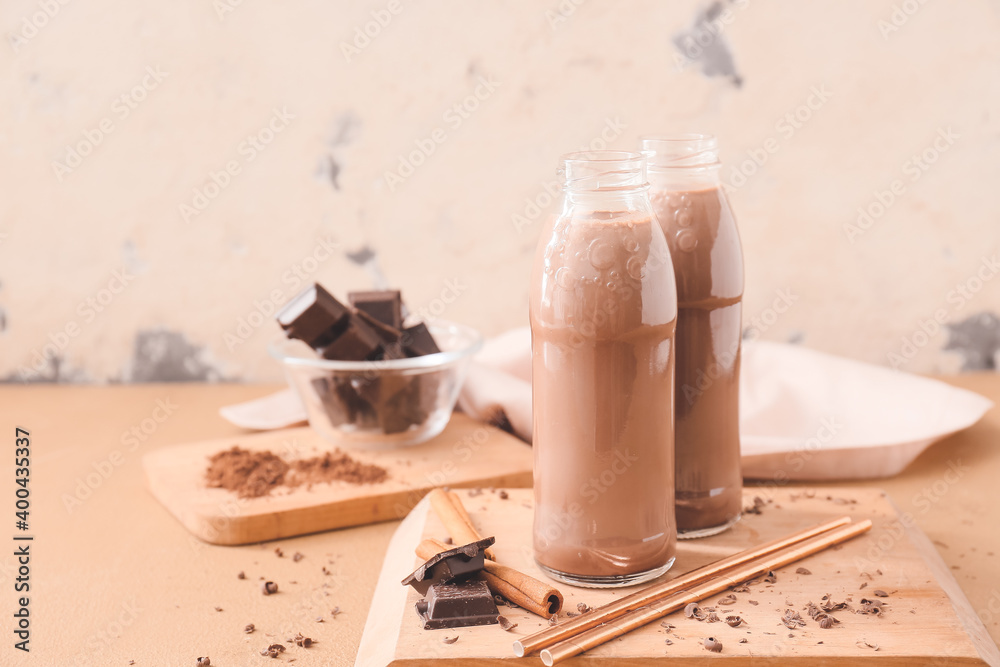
(503,495)
(450,640)
(864,584)
(744,641)
(712,618)
(296,557)
(278,552)
(669,643)
(218,609)
(505,623)
(303,641)
(269,588)
(448,540)
(753,602)
(713,644)
(273,651)
(802,570)
(553,619)
(571,614)
(880,593)
(241,575)
(204,662)
(335,612)
(249,628)
(583,607)
(668,626)
(475,492)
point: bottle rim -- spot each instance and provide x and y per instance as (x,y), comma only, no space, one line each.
(603,171)
(691,150)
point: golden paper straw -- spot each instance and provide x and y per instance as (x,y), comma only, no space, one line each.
(648,595)
(731,577)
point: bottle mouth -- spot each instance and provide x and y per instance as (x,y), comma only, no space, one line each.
(603,171)
(684,151)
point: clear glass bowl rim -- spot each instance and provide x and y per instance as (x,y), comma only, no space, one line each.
(428,361)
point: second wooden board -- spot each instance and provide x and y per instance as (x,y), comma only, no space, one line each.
(927,619)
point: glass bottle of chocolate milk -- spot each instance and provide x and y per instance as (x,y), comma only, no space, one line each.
(705,247)
(603,310)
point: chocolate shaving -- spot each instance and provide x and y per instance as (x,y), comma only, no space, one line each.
(802,570)
(450,640)
(694,611)
(583,607)
(734,621)
(505,623)
(713,644)
(792,619)
(204,662)
(269,588)
(880,593)
(273,651)
(296,557)
(249,628)
(727,600)
(300,640)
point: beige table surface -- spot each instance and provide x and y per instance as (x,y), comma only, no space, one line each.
(115,578)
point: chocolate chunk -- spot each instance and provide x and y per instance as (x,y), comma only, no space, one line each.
(341,402)
(418,341)
(355,342)
(313,316)
(458,605)
(386,306)
(388,335)
(450,566)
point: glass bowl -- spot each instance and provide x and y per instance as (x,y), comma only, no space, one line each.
(381,404)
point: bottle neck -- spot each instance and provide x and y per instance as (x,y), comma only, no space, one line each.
(682,162)
(684,178)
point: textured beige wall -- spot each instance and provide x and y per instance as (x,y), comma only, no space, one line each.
(129,263)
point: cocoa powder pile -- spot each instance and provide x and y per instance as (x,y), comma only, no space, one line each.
(255,474)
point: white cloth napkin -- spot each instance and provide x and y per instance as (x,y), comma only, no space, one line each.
(804,415)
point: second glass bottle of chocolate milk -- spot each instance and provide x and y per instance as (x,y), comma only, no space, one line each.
(603,310)
(705,247)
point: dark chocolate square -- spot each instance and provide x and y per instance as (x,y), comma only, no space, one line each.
(386,306)
(356,342)
(418,341)
(449,566)
(459,605)
(313,316)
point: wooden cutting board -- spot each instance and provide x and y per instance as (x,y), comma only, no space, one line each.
(929,620)
(467,453)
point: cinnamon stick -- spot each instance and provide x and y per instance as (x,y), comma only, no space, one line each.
(448,506)
(524,591)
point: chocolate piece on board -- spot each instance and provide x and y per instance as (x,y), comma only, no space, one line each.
(449,566)
(458,605)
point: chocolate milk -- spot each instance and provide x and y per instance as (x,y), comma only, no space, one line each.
(708,262)
(603,313)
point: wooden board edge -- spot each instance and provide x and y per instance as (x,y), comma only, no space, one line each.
(977,633)
(385,616)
